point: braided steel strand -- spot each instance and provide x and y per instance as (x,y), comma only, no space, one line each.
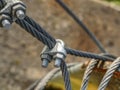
(50,44)
(42,38)
(92,36)
(88,73)
(39,28)
(2,4)
(114,66)
(88,55)
(35,33)
(66,75)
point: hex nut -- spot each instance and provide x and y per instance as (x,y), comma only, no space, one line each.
(4,17)
(17,7)
(46,56)
(59,55)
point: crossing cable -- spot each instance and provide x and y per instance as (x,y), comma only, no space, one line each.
(41,30)
(68,79)
(113,67)
(34,32)
(92,36)
(92,64)
(42,38)
(49,41)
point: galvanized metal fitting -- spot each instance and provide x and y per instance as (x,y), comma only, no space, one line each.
(5,21)
(58,52)
(45,57)
(19,10)
(15,8)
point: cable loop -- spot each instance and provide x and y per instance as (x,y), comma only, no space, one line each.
(88,73)
(113,67)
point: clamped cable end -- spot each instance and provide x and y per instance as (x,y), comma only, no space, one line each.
(57,53)
(10,11)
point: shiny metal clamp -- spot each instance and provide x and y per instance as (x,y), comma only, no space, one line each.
(57,53)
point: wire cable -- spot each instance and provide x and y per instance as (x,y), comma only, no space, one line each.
(39,28)
(65,75)
(92,36)
(114,66)
(87,74)
(34,32)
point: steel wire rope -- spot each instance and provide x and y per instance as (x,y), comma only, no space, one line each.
(66,75)
(87,74)
(89,70)
(34,32)
(80,23)
(39,28)
(97,42)
(52,74)
(93,63)
(41,37)
(63,66)
(113,67)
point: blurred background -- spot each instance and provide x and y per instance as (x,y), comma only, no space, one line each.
(20,63)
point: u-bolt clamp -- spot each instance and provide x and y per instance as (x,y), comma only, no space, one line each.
(10,11)
(58,53)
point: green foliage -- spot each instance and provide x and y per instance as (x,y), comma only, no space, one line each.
(114,1)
